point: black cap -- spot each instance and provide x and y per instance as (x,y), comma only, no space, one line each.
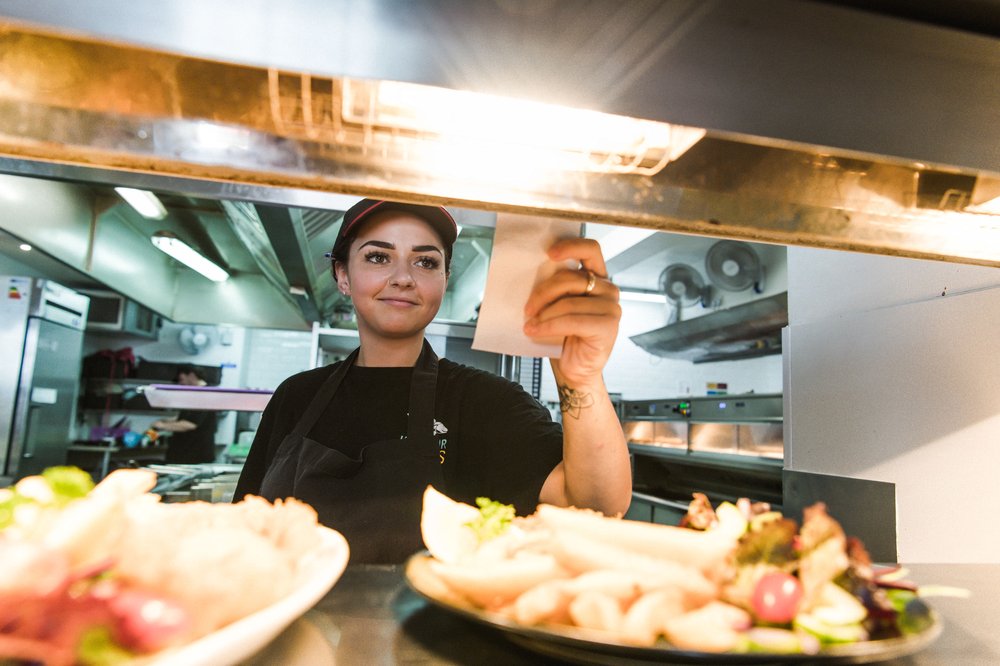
(436,216)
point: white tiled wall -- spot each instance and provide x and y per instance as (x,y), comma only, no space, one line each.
(272,355)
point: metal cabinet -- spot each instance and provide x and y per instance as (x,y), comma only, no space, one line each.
(726,447)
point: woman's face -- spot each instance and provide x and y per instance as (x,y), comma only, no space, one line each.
(395,275)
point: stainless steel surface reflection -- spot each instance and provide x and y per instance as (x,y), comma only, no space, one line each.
(309,641)
(372,617)
(657,433)
(752,439)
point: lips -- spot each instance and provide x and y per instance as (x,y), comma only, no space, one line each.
(399,302)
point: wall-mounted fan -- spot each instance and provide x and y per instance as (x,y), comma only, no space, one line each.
(194,340)
(734,266)
(683,286)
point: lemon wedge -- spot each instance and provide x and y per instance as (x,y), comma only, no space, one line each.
(444,528)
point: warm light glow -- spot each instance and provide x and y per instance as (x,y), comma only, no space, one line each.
(985,196)
(215,137)
(991,206)
(183,253)
(515,134)
(145,203)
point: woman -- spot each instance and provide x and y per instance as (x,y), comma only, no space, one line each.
(192,438)
(362,438)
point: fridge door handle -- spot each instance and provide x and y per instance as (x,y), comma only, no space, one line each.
(41,395)
(29,442)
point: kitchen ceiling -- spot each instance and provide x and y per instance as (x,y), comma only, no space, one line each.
(282,245)
(203,130)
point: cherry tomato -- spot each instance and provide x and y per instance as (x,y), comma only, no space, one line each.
(146,622)
(776,597)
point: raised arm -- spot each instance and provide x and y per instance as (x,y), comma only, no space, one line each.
(582,305)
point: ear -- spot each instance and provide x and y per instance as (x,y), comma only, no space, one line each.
(343,281)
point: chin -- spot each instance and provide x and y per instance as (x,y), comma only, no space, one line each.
(398,331)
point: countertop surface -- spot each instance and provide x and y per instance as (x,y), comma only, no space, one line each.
(372,617)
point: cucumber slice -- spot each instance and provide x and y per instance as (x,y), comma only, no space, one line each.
(830,633)
(837,606)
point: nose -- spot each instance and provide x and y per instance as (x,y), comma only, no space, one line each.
(401,277)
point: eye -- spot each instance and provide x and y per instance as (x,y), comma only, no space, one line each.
(376,257)
(428,263)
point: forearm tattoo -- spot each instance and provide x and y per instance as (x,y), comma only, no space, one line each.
(572,402)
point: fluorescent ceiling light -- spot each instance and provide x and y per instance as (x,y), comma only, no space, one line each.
(183,253)
(145,203)
(642,296)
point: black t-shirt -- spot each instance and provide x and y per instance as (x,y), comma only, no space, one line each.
(498,441)
(193,446)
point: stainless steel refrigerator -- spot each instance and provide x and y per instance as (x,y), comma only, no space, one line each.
(41,348)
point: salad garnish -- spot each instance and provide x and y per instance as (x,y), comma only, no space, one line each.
(493,520)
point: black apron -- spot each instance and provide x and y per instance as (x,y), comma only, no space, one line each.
(374,500)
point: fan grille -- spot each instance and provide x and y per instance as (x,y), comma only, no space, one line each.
(681,283)
(732,265)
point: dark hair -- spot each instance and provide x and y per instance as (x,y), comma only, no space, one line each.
(188,369)
(436,216)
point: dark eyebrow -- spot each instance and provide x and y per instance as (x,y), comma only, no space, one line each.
(390,246)
(378,243)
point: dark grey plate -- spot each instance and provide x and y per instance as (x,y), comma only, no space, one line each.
(580,646)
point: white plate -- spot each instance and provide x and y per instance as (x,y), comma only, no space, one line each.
(320,570)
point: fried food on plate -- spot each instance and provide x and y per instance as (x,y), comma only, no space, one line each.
(710,588)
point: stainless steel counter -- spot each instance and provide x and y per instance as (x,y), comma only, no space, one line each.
(372,617)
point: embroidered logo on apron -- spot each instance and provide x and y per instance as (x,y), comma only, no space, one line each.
(440,429)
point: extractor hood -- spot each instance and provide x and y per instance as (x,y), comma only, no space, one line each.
(742,331)
(820,125)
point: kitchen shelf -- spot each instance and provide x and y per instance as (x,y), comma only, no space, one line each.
(124,410)
(131,381)
(213,398)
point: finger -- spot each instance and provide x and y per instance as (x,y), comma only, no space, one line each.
(575,325)
(583,305)
(568,283)
(585,250)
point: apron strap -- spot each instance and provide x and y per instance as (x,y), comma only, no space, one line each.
(324,396)
(420,420)
(420,417)
(423,385)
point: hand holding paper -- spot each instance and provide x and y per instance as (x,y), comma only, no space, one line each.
(581,305)
(566,311)
(518,262)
